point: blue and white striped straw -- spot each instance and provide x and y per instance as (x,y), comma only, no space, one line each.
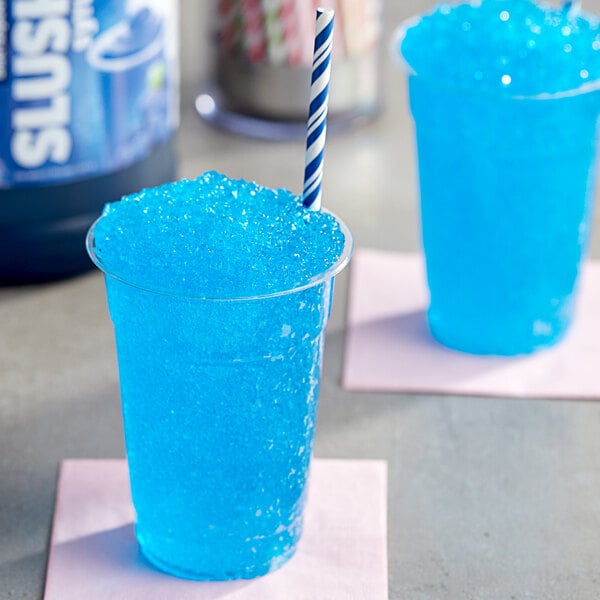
(317,113)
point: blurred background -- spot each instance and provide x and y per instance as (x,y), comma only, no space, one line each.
(378,184)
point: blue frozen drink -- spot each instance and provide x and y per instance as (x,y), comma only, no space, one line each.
(219,291)
(504,96)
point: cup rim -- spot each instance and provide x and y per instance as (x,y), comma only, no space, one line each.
(317,279)
(399,61)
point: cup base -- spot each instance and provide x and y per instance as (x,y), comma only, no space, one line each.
(503,342)
(198,573)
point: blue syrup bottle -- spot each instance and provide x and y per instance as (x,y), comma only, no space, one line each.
(88,113)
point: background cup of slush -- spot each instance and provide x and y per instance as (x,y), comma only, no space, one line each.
(506,171)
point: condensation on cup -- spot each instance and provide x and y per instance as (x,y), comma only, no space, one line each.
(262,64)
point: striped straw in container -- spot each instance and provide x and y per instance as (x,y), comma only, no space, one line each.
(255,38)
(317,113)
(304,17)
(230,27)
(291,32)
(276,49)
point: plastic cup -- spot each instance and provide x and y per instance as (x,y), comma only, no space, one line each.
(506,194)
(219,403)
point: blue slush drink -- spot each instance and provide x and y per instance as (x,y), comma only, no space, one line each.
(219,291)
(504,97)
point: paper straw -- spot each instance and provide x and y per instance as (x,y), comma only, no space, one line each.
(276,49)
(373,17)
(255,40)
(339,43)
(305,22)
(360,25)
(317,114)
(230,26)
(353,25)
(291,32)
(369,14)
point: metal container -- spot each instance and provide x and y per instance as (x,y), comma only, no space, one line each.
(259,90)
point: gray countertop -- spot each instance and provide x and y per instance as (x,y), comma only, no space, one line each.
(489,498)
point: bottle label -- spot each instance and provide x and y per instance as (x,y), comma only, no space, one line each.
(86,86)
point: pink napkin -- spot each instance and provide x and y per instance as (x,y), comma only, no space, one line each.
(389,348)
(342,554)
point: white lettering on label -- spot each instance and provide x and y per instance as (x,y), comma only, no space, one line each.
(85,26)
(40,39)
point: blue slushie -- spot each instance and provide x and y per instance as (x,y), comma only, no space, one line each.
(219,291)
(504,96)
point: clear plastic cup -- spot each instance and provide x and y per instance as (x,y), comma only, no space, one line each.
(506,196)
(219,403)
